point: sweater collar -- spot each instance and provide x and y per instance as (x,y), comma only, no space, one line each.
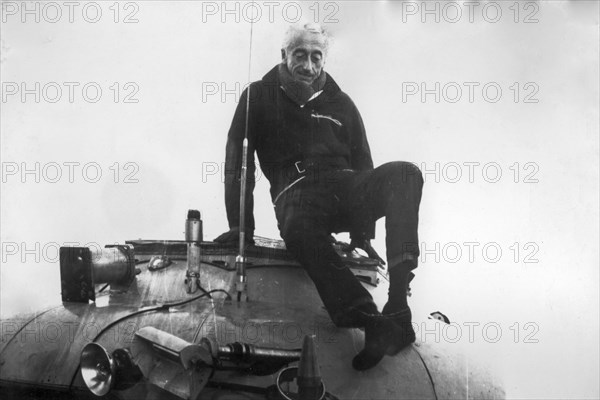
(327,86)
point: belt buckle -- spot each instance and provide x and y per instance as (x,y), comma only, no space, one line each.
(296,164)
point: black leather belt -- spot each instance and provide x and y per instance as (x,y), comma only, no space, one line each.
(313,168)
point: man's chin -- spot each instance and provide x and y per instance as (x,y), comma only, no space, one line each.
(305,79)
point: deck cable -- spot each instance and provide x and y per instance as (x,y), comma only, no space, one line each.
(428,372)
(163,307)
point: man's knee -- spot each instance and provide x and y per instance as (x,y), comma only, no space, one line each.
(403,172)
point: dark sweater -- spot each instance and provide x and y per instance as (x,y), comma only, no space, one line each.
(327,129)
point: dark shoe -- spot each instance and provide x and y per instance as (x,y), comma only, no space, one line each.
(384,335)
(403,333)
(377,340)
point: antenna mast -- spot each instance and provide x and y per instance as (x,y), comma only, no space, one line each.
(240,260)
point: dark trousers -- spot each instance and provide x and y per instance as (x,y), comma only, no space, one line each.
(349,201)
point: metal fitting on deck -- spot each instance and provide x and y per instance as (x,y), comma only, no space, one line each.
(81,268)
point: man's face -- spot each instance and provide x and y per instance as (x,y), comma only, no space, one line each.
(305,58)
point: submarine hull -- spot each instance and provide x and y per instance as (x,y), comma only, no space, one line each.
(40,354)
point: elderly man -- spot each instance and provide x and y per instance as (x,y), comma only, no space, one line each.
(312,147)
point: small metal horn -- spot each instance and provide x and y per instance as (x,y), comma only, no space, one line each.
(97,369)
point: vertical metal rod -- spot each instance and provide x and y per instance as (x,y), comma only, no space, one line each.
(241,258)
(243,178)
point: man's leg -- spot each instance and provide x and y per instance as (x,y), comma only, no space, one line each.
(393,191)
(303,217)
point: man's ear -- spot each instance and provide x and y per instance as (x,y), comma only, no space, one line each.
(283,54)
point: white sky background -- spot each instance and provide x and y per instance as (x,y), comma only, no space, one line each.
(176,133)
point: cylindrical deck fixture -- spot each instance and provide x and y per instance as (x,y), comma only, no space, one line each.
(240,282)
(193,227)
(193,237)
(81,268)
(250,352)
(111,264)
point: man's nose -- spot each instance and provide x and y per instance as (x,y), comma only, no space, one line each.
(308,65)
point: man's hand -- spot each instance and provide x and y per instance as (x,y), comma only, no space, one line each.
(364,244)
(232,236)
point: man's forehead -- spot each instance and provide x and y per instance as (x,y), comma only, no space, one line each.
(308,41)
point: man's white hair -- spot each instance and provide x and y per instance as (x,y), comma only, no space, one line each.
(292,34)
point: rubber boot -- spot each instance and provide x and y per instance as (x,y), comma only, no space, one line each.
(397,310)
(378,340)
(391,331)
(400,277)
(403,333)
(355,316)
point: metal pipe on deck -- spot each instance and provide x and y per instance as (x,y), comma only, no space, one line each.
(193,237)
